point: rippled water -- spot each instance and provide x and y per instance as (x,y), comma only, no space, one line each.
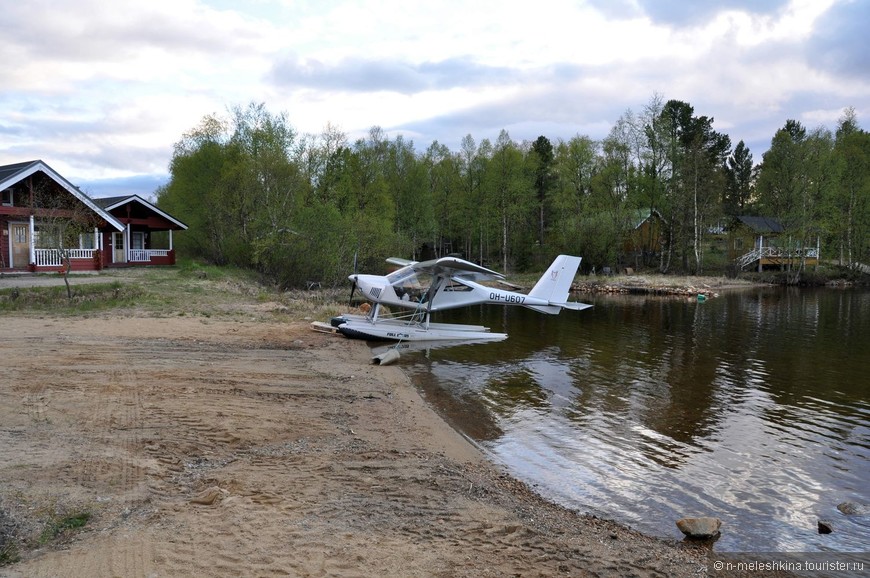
(753,407)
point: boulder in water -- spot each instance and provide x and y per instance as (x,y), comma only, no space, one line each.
(854,509)
(700,528)
(825,527)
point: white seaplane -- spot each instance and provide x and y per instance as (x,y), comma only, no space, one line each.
(423,288)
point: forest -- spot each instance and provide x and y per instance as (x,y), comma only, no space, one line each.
(300,207)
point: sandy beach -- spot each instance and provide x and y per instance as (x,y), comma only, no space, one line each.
(213,447)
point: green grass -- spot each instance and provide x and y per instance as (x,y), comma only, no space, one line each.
(9,554)
(59,526)
(86,298)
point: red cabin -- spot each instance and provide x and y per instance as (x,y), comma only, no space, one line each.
(45,219)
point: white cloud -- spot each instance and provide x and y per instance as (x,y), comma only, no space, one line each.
(109,87)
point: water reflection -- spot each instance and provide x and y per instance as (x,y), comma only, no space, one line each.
(752,407)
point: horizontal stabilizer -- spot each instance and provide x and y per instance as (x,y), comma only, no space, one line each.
(549,309)
(555,308)
(574,306)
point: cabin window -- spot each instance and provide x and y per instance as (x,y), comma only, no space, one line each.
(6,198)
(86,241)
(19,234)
(453,285)
(138,240)
(48,237)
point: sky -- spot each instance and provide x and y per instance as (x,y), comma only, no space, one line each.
(101,91)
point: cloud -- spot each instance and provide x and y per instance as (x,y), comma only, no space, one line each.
(839,42)
(142,185)
(107,88)
(682,13)
(130,41)
(366,75)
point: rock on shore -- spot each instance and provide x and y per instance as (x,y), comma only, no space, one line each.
(699,528)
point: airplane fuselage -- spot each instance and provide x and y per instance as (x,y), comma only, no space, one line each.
(407,291)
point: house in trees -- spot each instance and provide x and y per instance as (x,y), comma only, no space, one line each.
(43,217)
(644,240)
(759,242)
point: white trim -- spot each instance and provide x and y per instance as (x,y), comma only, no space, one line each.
(32,233)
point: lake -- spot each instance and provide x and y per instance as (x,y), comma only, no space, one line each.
(753,407)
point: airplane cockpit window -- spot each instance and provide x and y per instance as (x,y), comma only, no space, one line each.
(453,285)
(410,285)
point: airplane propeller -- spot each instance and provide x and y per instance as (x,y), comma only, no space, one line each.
(353,285)
(352,291)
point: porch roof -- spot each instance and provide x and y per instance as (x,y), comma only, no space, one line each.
(17,172)
(762,224)
(112,203)
(643,215)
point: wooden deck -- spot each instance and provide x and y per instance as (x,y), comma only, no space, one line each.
(775,257)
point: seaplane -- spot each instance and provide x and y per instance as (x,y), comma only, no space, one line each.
(420,288)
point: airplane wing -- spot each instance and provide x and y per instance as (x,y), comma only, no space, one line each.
(399,261)
(454,267)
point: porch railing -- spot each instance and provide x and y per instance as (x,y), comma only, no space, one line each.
(53,257)
(144,255)
(776,253)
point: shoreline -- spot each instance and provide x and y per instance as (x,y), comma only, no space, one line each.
(661,285)
(214,447)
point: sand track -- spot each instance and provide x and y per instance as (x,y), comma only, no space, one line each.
(219,448)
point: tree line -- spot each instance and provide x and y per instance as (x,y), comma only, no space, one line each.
(301,207)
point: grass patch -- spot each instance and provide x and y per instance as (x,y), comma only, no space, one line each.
(190,289)
(317,304)
(86,298)
(9,554)
(58,526)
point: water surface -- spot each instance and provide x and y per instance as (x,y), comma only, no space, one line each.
(753,407)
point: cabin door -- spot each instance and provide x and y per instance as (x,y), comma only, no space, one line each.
(119,253)
(19,234)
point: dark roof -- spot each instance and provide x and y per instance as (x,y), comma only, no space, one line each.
(110,203)
(642,215)
(762,224)
(14,173)
(8,171)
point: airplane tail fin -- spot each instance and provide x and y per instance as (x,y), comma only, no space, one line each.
(555,284)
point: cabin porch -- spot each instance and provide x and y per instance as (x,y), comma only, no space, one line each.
(762,257)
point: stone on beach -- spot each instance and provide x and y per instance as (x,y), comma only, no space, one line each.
(700,528)
(209,496)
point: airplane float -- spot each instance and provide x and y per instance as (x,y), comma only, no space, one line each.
(423,288)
